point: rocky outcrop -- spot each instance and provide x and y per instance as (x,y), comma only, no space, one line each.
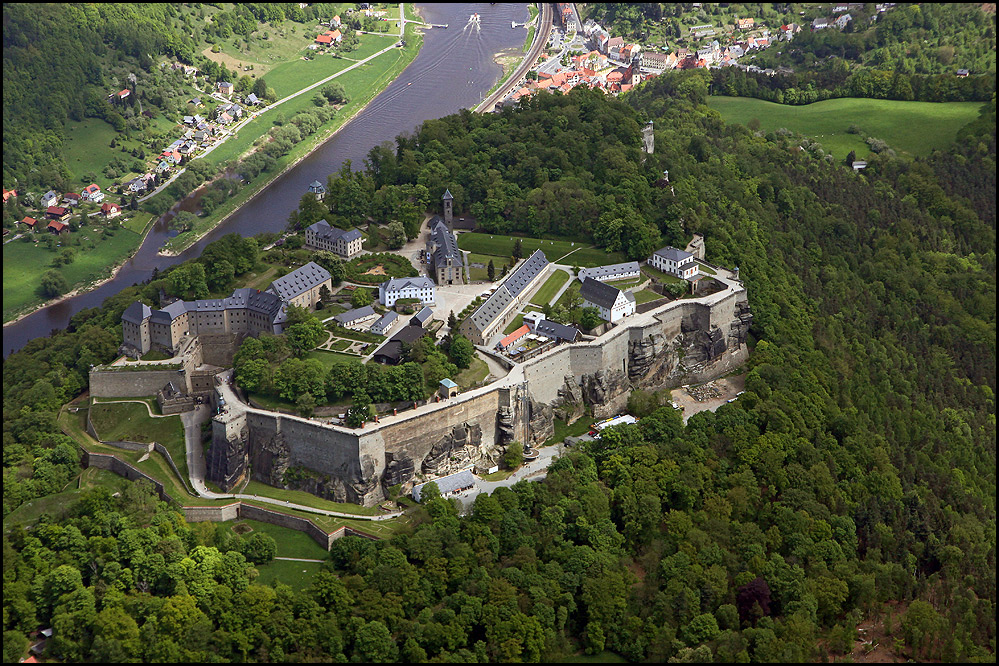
(542,423)
(569,406)
(460,449)
(226,461)
(338,487)
(601,389)
(270,460)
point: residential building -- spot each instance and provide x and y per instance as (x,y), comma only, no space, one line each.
(842,21)
(445,262)
(57,227)
(50,198)
(393,289)
(57,213)
(93,193)
(502,305)
(391,352)
(110,210)
(321,236)
(71,199)
(555,331)
(675,262)
(225,88)
(29,222)
(820,23)
(382,326)
(356,319)
(421,318)
(744,23)
(317,189)
(301,287)
(252,99)
(612,303)
(7,194)
(623,271)
(513,338)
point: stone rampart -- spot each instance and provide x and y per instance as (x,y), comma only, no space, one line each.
(121,468)
(128,382)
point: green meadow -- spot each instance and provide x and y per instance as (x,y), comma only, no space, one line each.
(910,128)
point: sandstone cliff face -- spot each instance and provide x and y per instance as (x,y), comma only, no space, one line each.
(459,449)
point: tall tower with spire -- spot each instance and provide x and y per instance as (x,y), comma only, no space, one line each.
(448,208)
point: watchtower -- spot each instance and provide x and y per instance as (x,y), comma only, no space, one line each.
(648,139)
(448,208)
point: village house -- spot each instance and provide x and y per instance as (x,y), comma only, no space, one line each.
(675,262)
(382,326)
(57,213)
(393,289)
(110,210)
(322,236)
(744,23)
(29,222)
(7,194)
(57,227)
(71,199)
(225,88)
(49,198)
(612,303)
(93,193)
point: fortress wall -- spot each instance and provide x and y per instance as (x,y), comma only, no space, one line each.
(415,437)
(310,445)
(134,383)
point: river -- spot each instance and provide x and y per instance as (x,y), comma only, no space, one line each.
(453,71)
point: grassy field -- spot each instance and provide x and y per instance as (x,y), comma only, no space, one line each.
(645,296)
(331,358)
(580,427)
(306,499)
(290,543)
(482,274)
(129,421)
(138,222)
(296,575)
(551,286)
(475,373)
(555,250)
(59,504)
(911,128)
(666,278)
(23,264)
(87,148)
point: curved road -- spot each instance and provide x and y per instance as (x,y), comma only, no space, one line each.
(540,39)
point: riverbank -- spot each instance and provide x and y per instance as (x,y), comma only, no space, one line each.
(362,90)
(79,286)
(205,225)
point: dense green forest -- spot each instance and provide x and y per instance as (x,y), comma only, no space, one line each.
(855,475)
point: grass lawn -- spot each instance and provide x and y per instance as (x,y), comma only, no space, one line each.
(580,427)
(498,476)
(331,358)
(296,575)
(129,421)
(705,269)
(551,286)
(517,322)
(340,345)
(290,77)
(381,529)
(482,274)
(138,222)
(360,336)
(911,128)
(645,296)
(24,263)
(588,257)
(306,499)
(665,278)
(87,149)
(475,373)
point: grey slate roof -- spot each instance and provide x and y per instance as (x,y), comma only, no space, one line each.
(421,317)
(447,194)
(518,280)
(384,322)
(316,186)
(299,281)
(172,311)
(391,351)
(601,272)
(323,229)
(510,288)
(670,253)
(447,484)
(598,293)
(556,331)
(136,312)
(447,244)
(354,315)
(396,284)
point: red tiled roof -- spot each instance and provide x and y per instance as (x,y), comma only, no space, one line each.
(30,221)
(513,337)
(124,93)
(57,225)
(55,210)
(108,207)
(324,39)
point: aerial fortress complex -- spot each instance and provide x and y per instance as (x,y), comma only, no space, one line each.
(687,340)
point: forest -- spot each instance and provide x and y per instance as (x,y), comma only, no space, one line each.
(853,482)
